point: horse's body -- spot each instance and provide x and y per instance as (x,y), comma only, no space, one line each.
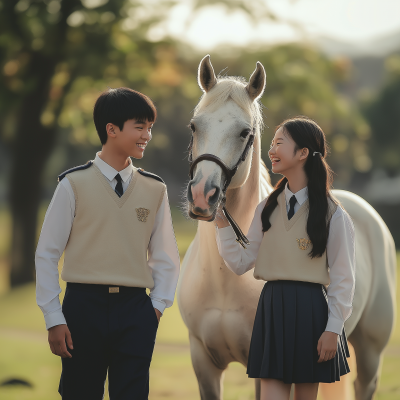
(217,306)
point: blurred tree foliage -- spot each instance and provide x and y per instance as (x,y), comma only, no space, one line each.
(302,81)
(46,47)
(58,56)
(383,114)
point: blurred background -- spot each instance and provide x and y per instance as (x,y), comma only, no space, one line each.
(337,61)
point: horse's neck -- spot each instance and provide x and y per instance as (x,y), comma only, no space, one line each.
(241,202)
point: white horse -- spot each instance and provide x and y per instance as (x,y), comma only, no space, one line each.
(217,306)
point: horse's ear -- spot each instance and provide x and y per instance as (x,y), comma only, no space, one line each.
(206,76)
(256,85)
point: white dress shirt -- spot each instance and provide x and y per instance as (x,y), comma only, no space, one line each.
(163,256)
(340,254)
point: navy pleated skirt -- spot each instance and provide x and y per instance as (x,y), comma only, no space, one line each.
(291,317)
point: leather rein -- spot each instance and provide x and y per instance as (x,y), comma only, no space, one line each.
(229,174)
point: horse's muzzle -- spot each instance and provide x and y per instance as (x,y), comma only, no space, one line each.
(201,214)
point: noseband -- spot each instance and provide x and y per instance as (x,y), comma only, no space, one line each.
(229,174)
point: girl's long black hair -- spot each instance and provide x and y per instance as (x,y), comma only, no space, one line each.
(306,133)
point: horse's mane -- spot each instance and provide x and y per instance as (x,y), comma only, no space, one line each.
(234,88)
(231,88)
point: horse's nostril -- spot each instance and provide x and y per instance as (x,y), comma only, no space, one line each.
(189,193)
(213,196)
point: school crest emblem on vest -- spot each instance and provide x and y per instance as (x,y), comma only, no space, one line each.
(303,244)
(142,214)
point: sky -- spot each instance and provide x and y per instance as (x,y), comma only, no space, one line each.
(350,21)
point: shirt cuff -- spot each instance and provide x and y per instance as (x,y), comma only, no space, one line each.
(160,305)
(54,318)
(226,233)
(334,325)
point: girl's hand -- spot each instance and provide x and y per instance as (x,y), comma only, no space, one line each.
(327,346)
(220,219)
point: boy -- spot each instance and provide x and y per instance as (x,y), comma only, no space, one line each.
(114,223)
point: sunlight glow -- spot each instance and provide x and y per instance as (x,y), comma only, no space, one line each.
(350,21)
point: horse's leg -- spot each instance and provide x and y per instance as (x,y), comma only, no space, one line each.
(209,376)
(342,390)
(368,363)
(371,336)
(369,339)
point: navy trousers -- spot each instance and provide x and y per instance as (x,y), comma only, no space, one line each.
(111,332)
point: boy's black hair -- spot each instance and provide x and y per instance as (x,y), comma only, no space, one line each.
(116,106)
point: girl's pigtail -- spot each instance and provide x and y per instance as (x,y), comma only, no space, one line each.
(318,203)
(307,134)
(271,203)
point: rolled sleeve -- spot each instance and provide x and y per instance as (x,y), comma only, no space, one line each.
(238,259)
(334,325)
(226,233)
(54,318)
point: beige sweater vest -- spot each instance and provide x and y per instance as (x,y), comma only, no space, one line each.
(110,234)
(283,253)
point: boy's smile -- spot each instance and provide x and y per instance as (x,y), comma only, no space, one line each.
(132,140)
(135,135)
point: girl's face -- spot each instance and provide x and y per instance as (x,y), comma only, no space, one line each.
(282,153)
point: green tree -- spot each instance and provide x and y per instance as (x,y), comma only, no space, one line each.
(45,47)
(383,114)
(302,81)
(51,51)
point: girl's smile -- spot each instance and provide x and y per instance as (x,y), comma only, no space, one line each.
(274,160)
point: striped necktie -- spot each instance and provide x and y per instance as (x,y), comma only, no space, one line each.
(118,188)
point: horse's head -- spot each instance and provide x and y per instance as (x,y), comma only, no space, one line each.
(226,117)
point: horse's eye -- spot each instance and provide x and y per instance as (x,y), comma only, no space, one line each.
(245,133)
(192,127)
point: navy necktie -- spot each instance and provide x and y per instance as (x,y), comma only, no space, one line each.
(118,188)
(292,203)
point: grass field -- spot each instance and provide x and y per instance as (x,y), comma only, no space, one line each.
(24,352)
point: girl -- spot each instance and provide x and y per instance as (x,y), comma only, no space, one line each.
(301,241)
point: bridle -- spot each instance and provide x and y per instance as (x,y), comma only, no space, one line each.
(229,174)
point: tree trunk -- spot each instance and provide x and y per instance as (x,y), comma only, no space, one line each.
(32,146)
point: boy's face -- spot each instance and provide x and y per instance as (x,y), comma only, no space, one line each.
(133,139)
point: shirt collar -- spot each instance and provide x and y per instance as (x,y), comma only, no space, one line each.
(109,172)
(301,195)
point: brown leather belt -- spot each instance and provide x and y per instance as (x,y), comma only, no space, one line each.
(91,287)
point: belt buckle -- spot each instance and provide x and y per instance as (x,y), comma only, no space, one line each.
(113,289)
